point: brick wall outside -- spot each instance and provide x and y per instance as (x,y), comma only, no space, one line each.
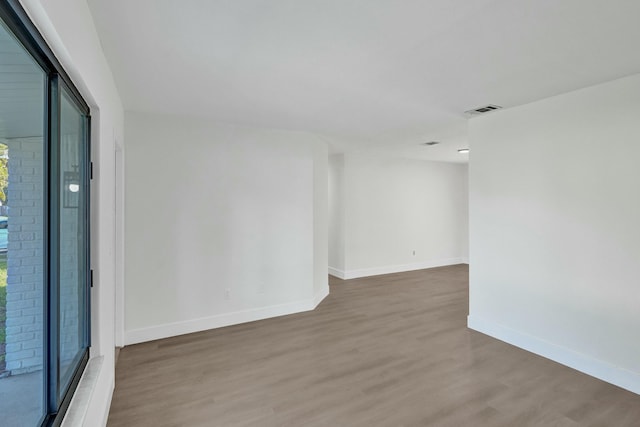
(25,295)
(24,325)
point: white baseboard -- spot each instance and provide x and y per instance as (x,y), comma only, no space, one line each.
(376,271)
(167,330)
(605,371)
(336,273)
(464,260)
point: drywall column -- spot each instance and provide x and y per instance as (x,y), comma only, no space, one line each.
(320,221)
(555,242)
(336,214)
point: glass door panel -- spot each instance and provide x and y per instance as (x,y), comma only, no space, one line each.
(73,239)
(22,235)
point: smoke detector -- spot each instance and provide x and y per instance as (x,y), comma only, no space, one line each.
(482,110)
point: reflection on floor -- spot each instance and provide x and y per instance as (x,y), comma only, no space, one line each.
(21,400)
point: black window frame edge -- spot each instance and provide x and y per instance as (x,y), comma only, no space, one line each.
(18,22)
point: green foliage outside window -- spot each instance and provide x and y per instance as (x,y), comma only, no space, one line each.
(4,172)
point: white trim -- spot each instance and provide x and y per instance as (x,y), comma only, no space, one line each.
(465,260)
(336,273)
(605,371)
(320,296)
(77,412)
(167,330)
(376,271)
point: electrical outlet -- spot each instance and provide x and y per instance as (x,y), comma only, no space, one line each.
(414,253)
(227,293)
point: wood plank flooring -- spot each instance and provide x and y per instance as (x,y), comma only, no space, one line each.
(389,350)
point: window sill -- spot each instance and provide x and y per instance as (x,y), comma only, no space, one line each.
(77,411)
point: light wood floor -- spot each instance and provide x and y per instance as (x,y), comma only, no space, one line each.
(390,350)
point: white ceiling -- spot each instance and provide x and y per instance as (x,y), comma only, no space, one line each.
(384,75)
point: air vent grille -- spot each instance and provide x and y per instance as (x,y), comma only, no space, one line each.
(482,110)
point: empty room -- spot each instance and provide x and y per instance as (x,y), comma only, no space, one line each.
(319,213)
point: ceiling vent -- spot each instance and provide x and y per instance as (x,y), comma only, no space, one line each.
(482,110)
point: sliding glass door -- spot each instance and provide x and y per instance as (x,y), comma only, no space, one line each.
(44,228)
(23,85)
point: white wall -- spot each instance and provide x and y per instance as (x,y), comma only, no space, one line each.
(224,224)
(73,39)
(336,212)
(555,242)
(320,221)
(393,207)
